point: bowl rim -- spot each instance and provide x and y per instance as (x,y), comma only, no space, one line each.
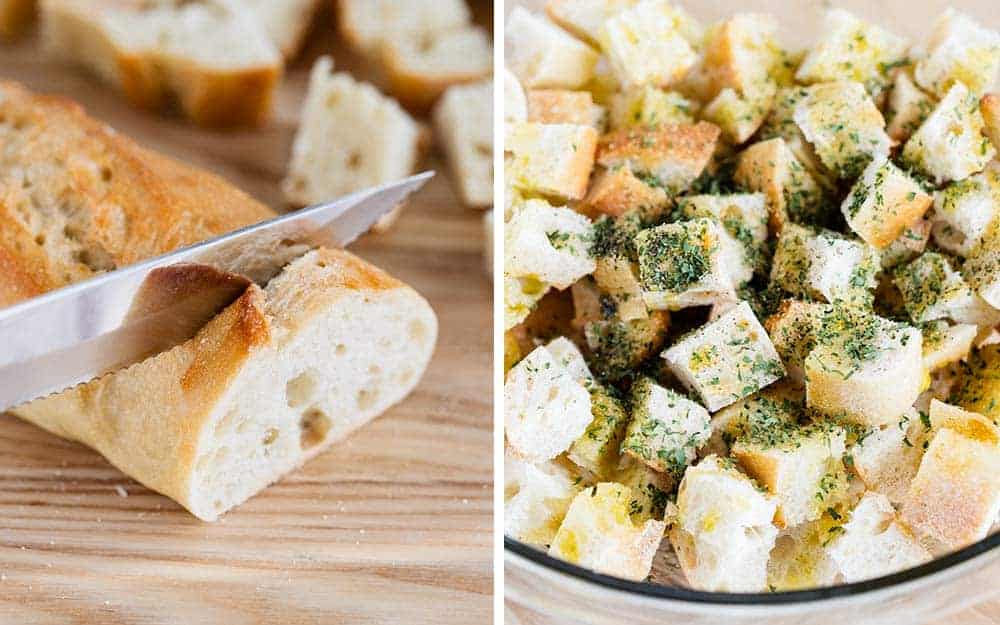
(784,597)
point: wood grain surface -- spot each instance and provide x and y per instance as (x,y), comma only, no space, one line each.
(391,526)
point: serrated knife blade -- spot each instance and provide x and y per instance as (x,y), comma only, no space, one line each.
(84,330)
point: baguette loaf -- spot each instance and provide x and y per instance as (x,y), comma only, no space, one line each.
(212,56)
(280,374)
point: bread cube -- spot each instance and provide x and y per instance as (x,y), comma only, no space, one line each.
(982,270)
(646,44)
(887,458)
(740,54)
(418,71)
(617,190)
(932,289)
(883,203)
(619,279)
(684,264)
(851,49)
(596,452)
(569,356)
(536,498)
(800,561)
(520,296)
(463,119)
(950,144)
(799,465)
(955,497)
(649,106)
(959,50)
(792,329)
(944,344)
(598,534)
(620,346)
(542,55)
(989,107)
(964,210)
(726,359)
(743,215)
(673,155)
(792,193)
(550,159)
(874,542)
(562,106)
(778,406)
(351,137)
(843,125)
(857,356)
(650,490)
(548,243)
(908,245)
(368,24)
(545,408)
(824,265)
(584,18)
(739,116)
(977,387)
(907,107)
(666,428)
(724,534)
(515,102)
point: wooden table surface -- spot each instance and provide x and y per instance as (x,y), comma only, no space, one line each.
(391,526)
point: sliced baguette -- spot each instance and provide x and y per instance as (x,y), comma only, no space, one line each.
(368,24)
(328,345)
(285,21)
(463,119)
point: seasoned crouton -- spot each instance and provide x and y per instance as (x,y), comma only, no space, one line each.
(619,346)
(950,144)
(550,159)
(548,243)
(568,355)
(726,359)
(542,55)
(545,408)
(536,498)
(646,44)
(562,106)
(792,193)
(781,403)
(955,497)
(887,457)
(843,125)
(584,18)
(964,210)
(908,245)
(596,452)
(619,278)
(989,107)
(741,53)
(857,356)
(960,50)
(799,465)
(739,116)
(617,190)
(515,102)
(883,203)
(907,107)
(666,428)
(649,106)
(932,289)
(977,387)
(686,264)
(650,489)
(824,265)
(851,49)
(982,270)
(520,296)
(743,215)
(792,329)
(674,155)
(944,344)
(724,533)
(800,559)
(598,533)
(874,542)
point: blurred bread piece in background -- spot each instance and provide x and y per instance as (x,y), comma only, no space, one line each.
(463,120)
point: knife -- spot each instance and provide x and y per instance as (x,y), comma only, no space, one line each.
(84,330)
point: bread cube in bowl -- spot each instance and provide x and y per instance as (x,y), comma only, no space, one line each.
(793,194)
(824,265)
(553,160)
(536,498)
(548,243)
(666,429)
(883,203)
(542,55)
(960,50)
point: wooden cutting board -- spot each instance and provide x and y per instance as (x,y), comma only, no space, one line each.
(391,526)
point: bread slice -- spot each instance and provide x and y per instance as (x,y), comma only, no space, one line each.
(81,199)
(351,137)
(368,24)
(285,21)
(277,377)
(15,16)
(463,119)
(213,58)
(419,71)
